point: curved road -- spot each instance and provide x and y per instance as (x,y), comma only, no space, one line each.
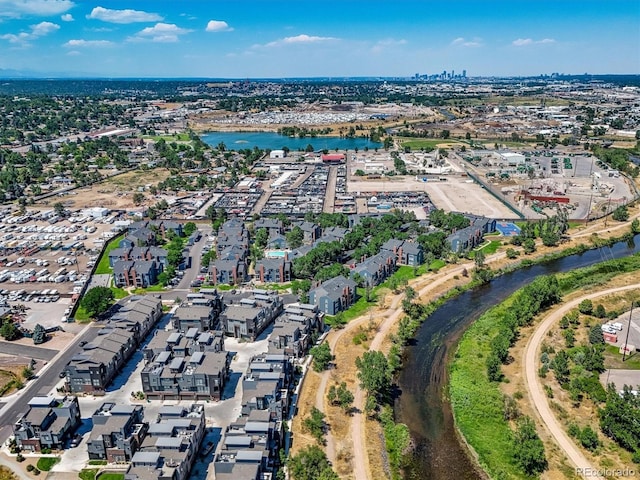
(537,395)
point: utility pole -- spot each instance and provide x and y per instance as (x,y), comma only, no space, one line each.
(624,352)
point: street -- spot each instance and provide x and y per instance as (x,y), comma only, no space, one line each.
(46,380)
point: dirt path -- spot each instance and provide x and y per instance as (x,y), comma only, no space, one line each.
(423,286)
(534,386)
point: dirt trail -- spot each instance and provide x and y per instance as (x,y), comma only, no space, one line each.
(534,386)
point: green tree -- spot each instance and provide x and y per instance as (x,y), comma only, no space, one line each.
(586,307)
(322,357)
(529,246)
(261,238)
(635,226)
(311,463)
(528,449)
(589,438)
(620,417)
(511,253)
(560,366)
(138,198)
(600,311)
(341,396)
(295,237)
(621,214)
(373,373)
(314,424)
(97,300)
(595,335)
(9,331)
(39,335)
(493,368)
(479,259)
(189,228)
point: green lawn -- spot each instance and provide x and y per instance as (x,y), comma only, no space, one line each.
(88,474)
(437,265)
(418,143)
(491,247)
(46,463)
(103,263)
(82,316)
(119,293)
(97,462)
(224,287)
(149,289)
(111,476)
(178,137)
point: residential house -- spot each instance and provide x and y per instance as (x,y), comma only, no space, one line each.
(273,225)
(190,366)
(407,252)
(230,272)
(195,316)
(48,422)
(311,231)
(470,237)
(252,315)
(118,431)
(273,270)
(295,330)
(334,295)
(375,270)
(141,273)
(171,446)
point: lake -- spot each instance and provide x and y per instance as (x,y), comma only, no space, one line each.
(274,141)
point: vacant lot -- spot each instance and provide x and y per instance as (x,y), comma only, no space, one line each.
(116,192)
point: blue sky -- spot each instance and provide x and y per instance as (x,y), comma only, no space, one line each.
(277,38)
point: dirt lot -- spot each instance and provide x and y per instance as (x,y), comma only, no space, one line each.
(456,194)
(115,193)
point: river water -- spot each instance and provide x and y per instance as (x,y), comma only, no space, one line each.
(438,454)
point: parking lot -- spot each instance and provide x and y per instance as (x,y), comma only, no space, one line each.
(45,261)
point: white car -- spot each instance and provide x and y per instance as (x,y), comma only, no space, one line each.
(609,329)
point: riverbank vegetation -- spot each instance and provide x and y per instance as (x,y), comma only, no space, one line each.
(483,414)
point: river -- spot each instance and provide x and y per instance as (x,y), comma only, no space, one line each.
(438,454)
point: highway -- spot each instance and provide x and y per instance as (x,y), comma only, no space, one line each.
(46,380)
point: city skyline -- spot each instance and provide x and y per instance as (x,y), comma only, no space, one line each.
(227,39)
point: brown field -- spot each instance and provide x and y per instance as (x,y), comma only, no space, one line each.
(116,192)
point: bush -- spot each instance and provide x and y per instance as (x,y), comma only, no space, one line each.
(586,307)
(322,357)
(30,468)
(589,438)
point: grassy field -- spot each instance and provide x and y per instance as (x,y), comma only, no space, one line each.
(149,289)
(178,137)
(418,143)
(46,463)
(103,264)
(474,397)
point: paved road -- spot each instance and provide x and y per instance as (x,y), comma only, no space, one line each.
(330,195)
(27,351)
(47,379)
(184,287)
(534,387)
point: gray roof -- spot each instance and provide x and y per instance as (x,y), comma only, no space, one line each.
(249,456)
(168,442)
(146,457)
(237,440)
(163,357)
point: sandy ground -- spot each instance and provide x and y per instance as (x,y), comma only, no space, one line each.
(458,194)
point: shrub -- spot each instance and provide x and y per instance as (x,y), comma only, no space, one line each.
(30,468)
(586,307)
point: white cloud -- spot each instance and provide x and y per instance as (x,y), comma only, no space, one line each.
(299,39)
(122,16)
(67,17)
(44,28)
(218,26)
(523,42)
(380,45)
(73,53)
(160,32)
(79,43)
(20,38)
(463,42)
(38,30)
(42,8)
